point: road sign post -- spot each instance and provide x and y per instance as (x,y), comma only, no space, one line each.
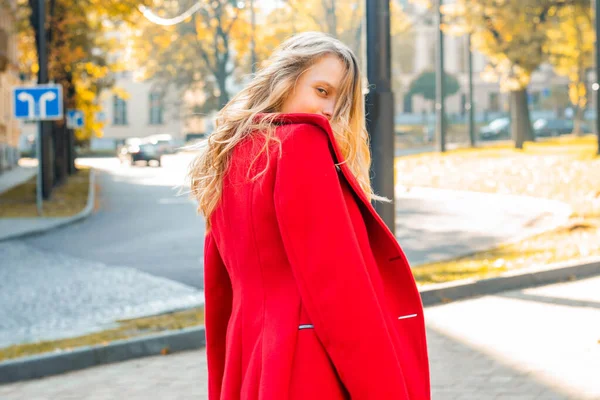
(38,103)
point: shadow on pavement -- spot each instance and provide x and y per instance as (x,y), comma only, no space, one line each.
(459,371)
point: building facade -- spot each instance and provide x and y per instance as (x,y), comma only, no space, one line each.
(9,77)
(141,112)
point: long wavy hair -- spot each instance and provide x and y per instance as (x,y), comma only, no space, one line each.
(254,109)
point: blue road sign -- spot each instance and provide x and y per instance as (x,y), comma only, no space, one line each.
(74,119)
(38,103)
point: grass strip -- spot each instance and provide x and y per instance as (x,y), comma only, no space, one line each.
(563,169)
(126,329)
(66,200)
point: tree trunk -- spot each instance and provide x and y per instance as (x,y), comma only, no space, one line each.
(60,153)
(578,120)
(47,159)
(330,17)
(222,82)
(71,151)
(519,118)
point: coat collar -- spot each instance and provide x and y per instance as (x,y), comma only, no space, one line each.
(323,123)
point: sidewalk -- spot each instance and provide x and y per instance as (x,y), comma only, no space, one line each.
(530,344)
(12,228)
(15,176)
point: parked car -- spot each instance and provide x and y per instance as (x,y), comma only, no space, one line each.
(170,146)
(165,143)
(497,129)
(555,127)
(133,153)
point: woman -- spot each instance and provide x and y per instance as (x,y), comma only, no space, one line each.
(308,295)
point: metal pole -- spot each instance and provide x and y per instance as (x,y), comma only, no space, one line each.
(597,80)
(470,104)
(380,107)
(38,151)
(252,39)
(440,112)
(42,78)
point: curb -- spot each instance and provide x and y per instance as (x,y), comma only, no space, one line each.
(436,294)
(194,338)
(65,361)
(89,207)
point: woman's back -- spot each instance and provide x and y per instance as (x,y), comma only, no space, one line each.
(308,294)
(294,248)
(266,309)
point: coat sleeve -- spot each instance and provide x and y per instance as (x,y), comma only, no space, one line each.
(217,310)
(329,269)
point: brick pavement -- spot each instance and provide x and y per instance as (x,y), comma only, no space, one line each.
(535,344)
(46,295)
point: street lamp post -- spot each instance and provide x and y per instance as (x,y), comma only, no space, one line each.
(440,120)
(380,107)
(470,105)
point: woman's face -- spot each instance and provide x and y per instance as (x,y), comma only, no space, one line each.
(317,88)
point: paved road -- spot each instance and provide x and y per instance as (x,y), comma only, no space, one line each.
(534,344)
(143,224)
(139,223)
(138,254)
(110,266)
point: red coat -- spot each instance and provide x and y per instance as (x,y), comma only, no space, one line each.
(308,294)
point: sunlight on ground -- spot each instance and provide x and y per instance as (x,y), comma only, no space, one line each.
(563,169)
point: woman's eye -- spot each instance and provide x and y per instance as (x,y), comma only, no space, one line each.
(322,91)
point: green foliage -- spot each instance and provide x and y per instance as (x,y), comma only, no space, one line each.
(425,85)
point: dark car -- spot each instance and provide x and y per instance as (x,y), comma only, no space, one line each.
(140,152)
(555,127)
(497,129)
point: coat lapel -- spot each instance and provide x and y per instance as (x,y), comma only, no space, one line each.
(323,123)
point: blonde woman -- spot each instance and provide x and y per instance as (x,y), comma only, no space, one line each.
(308,295)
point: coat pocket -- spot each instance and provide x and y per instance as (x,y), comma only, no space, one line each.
(313,375)
(413,352)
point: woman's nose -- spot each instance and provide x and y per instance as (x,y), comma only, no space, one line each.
(328,112)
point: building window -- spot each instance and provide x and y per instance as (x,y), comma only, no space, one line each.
(156,109)
(119,111)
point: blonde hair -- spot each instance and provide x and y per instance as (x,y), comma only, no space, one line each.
(265,95)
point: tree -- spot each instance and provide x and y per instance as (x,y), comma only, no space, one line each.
(76,60)
(209,51)
(571,48)
(513,36)
(201,52)
(342,19)
(424,85)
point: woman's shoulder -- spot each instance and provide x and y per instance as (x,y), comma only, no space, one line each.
(302,133)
